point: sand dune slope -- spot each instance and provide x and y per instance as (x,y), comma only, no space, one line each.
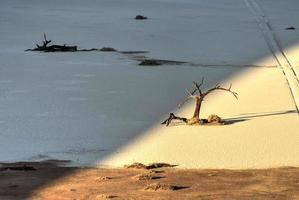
(263,131)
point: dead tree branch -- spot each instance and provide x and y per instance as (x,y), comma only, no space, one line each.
(218,87)
(172,117)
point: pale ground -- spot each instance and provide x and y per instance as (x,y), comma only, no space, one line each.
(264,121)
(263,133)
(89,108)
(84,106)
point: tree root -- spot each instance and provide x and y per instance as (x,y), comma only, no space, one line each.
(212,120)
(55,48)
(172,117)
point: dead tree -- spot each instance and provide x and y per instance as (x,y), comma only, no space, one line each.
(199,97)
(45,47)
(53,48)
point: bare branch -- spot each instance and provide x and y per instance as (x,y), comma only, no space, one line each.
(218,87)
(191,95)
(172,117)
(201,81)
(46,42)
(197,86)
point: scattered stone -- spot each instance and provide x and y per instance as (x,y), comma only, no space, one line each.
(18,168)
(164,186)
(73,190)
(156,171)
(136,165)
(108,49)
(92,49)
(146,177)
(150,62)
(105,196)
(290,28)
(140,17)
(104,178)
(150,166)
(214,119)
(211,174)
(158,165)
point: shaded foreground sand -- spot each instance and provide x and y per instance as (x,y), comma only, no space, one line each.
(97,183)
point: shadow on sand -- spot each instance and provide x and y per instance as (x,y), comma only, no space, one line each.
(249,116)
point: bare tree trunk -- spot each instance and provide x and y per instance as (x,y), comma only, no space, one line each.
(197,108)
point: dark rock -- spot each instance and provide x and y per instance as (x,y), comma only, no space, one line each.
(146,177)
(290,28)
(92,49)
(104,178)
(149,62)
(108,49)
(156,171)
(150,166)
(140,17)
(136,166)
(164,186)
(105,196)
(153,62)
(158,165)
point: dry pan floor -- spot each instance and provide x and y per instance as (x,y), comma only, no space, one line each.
(97,183)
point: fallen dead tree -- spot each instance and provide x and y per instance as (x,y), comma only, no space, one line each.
(45,47)
(199,97)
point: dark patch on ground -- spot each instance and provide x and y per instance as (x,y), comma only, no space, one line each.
(140,17)
(290,28)
(157,62)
